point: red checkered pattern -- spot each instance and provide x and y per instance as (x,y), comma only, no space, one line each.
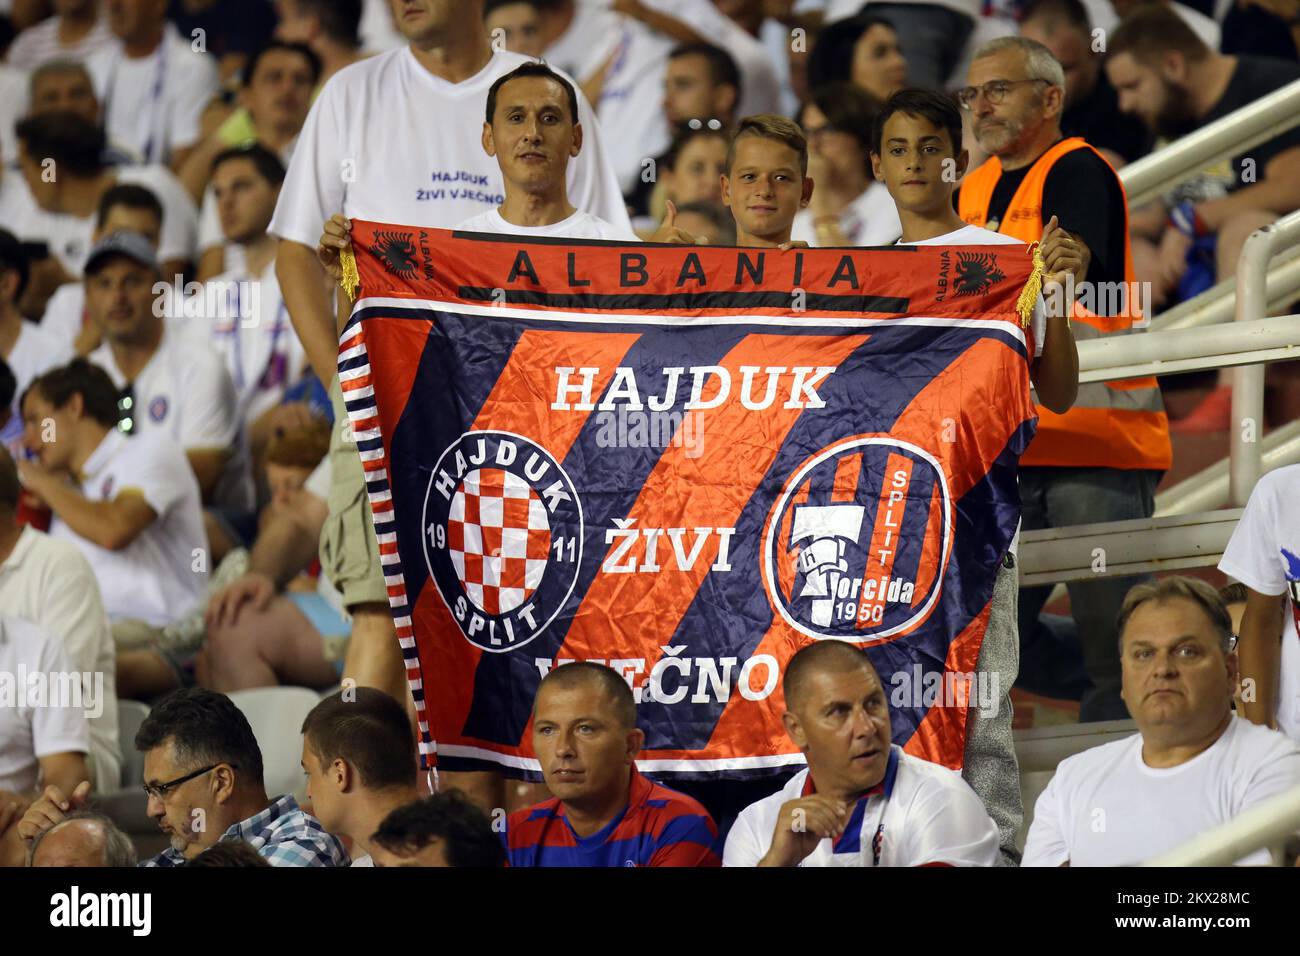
(498,537)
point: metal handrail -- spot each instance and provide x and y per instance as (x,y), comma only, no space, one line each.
(1218,303)
(1177,351)
(1209,488)
(1244,456)
(1260,121)
(1268,825)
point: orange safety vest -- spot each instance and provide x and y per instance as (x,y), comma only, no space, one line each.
(1112,424)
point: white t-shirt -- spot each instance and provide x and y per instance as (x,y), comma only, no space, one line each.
(439,176)
(1106,807)
(31,726)
(252,333)
(922,813)
(160,575)
(870,220)
(154,103)
(1264,555)
(39,44)
(35,351)
(70,237)
(186,394)
(581,225)
(49,583)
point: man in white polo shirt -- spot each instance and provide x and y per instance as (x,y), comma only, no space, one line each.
(428,96)
(43,741)
(168,385)
(862,801)
(50,583)
(133,504)
(1191,766)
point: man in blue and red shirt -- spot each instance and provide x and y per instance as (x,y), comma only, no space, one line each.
(604,813)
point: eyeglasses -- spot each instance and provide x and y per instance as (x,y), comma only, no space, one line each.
(126,410)
(995,91)
(163,790)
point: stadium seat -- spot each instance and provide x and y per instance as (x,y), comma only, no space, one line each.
(123,801)
(276,715)
(130,715)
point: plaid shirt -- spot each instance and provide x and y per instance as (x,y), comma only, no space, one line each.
(282,833)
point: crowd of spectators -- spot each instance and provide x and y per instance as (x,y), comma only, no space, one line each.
(182,509)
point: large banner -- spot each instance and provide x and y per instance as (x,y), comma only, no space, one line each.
(686,463)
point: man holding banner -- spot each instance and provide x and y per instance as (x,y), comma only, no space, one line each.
(918,154)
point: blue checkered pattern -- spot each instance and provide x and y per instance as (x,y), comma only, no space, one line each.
(284,834)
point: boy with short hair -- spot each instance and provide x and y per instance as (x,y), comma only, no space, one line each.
(916,152)
(766,180)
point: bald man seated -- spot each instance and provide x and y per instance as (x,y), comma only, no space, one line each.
(604,813)
(862,801)
(82,838)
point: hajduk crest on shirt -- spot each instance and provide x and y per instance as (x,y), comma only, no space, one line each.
(686,463)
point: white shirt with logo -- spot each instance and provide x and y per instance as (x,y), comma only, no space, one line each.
(35,724)
(349,160)
(1106,807)
(921,814)
(185,393)
(1264,555)
(162,573)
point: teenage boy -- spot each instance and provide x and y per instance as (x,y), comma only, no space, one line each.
(917,152)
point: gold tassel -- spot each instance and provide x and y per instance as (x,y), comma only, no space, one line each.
(351,279)
(1033,288)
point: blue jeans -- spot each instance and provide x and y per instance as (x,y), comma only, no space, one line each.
(1058,498)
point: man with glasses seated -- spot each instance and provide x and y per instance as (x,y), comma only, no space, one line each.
(1101,459)
(129,504)
(203,780)
(1191,766)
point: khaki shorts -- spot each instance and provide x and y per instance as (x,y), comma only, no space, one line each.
(349,554)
